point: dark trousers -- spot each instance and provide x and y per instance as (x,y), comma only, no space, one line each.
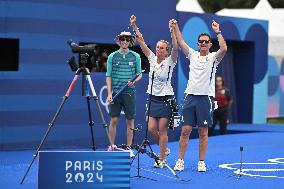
(221,115)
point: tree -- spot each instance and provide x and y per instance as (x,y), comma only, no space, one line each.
(213,6)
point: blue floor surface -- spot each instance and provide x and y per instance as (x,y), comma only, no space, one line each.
(263,167)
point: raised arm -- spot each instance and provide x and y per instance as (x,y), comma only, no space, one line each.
(174,53)
(222,43)
(139,37)
(180,40)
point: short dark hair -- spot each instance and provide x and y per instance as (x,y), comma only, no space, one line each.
(204,34)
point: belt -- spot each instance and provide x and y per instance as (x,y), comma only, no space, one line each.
(161,98)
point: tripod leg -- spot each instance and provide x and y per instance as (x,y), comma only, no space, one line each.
(139,150)
(174,173)
(152,153)
(50,126)
(98,105)
(148,143)
(91,122)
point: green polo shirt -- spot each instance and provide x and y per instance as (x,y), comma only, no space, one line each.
(121,68)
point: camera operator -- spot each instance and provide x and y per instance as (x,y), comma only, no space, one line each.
(102,62)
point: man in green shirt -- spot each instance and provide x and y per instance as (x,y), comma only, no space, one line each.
(122,66)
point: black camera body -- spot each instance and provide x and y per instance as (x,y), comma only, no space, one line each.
(89,48)
(88,55)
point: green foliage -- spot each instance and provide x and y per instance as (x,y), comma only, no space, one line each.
(216,5)
(213,6)
(275,120)
(277,3)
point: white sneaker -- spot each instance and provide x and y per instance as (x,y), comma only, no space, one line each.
(167,152)
(161,164)
(201,166)
(111,148)
(179,165)
(132,155)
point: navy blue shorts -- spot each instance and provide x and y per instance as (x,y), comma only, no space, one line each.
(197,110)
(160,106)
(125,102)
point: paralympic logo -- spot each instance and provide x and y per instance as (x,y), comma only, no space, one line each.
(273,168)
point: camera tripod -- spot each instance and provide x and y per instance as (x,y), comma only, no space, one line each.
(142,148)
(85,77)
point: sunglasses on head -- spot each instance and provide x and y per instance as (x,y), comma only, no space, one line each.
(124,39)
(202,41)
